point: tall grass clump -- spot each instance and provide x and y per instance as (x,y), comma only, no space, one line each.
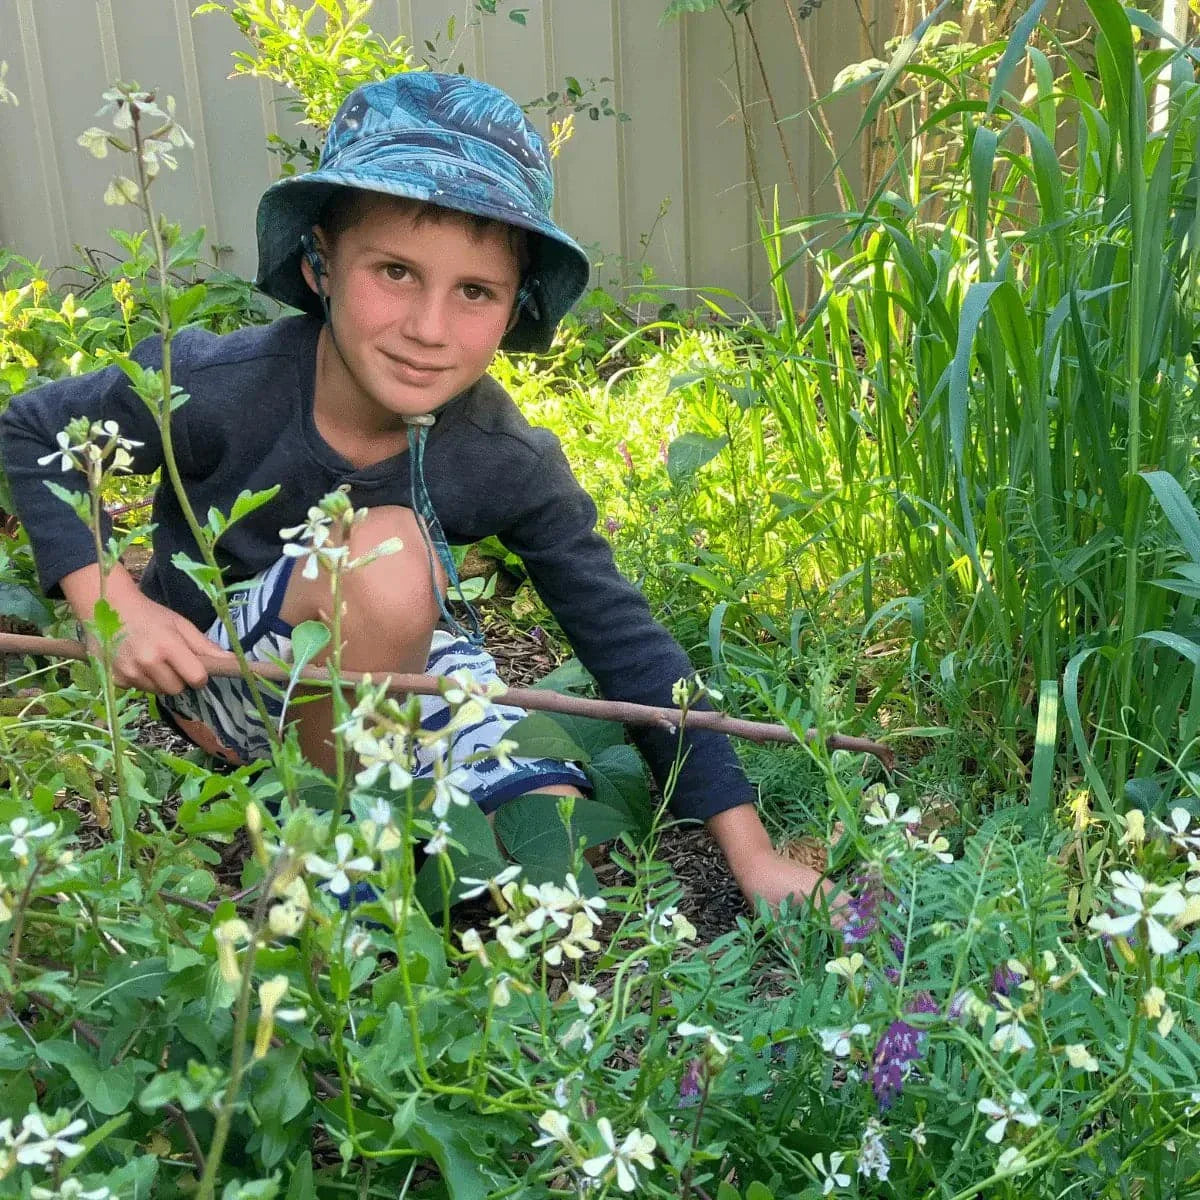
(991,408)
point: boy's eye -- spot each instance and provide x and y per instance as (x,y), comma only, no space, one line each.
(396,271)
(476,291)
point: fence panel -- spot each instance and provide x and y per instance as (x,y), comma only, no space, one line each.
(671,186)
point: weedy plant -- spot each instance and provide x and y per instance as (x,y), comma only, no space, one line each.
(988,415)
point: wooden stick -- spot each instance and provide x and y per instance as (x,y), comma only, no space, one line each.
(529,698)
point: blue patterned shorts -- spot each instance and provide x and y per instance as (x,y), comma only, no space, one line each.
(221,716)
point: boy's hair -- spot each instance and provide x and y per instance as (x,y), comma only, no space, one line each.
(347,206)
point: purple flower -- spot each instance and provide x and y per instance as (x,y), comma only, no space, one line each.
(1004,981)
(623,451)
(923,1002)
(901,1045)
(862,908)
(662,451)
(612,525)
(689,1085)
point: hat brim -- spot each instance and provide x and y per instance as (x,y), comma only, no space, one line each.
(290,208)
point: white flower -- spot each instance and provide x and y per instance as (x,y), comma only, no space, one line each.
(847,967)
(379,827)
(122,190)
(476,887)
(837,1041)
(873,1157)
(578,1031)
(20,835)
(1012,1161)
(506,935)
(935,845)
(358,941)
(1135,893)
(65,452)
(577,939)
(1017,1109)
(830,1178)
(501,993)
(887,812)
(286,917)
(41,1151)
(440,842)
(1010,1036)
(589,906)
(503,751)
(316,530)
(69,1189)
(379,750)
(472,943)
(917,1133)
(1078,1055)
(445,794)
(337,872)
(1178,830)
(226,936)
(556,1128)
(553,904)
(584,995)
(94,141)
(635,1150)
(720,1043)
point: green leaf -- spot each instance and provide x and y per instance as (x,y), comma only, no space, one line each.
(185,303)
(248,502)
(106,620)
(1045,745)
(16,600)
(1178,508)
(1014,52)
(619,782)
(302,1186)
(108,1089)
(689,452)
(454,1142)
(676,8)
(539,735)
(533,833)
(479,857)
(186,251)
(309,638)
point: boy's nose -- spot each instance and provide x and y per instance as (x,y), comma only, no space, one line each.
(426,319)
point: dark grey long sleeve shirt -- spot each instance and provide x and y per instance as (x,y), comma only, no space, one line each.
(248,424)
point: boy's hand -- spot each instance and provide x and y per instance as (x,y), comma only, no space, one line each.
(760,870)
(159,650)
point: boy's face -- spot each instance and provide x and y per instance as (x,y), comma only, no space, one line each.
(418,307)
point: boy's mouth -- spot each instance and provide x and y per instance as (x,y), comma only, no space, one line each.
(411,371)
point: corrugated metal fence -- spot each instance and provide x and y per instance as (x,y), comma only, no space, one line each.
(683,148)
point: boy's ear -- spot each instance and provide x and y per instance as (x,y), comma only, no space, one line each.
(312,262)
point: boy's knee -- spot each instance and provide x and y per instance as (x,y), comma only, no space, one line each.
(392,596)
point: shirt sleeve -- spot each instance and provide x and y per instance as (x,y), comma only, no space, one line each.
(609,625)
(61,542)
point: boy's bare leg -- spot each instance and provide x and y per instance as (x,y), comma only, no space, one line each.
(389,612)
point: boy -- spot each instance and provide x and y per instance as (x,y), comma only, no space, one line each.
(420,245)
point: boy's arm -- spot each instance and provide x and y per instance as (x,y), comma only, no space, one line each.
(28,429)
(634,658)
(159,651)
(759,869)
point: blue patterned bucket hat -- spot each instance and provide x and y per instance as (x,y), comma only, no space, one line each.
(448,140)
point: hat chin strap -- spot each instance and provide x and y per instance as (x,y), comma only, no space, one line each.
(417,425)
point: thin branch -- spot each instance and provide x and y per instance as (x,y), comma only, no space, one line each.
(625,712)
